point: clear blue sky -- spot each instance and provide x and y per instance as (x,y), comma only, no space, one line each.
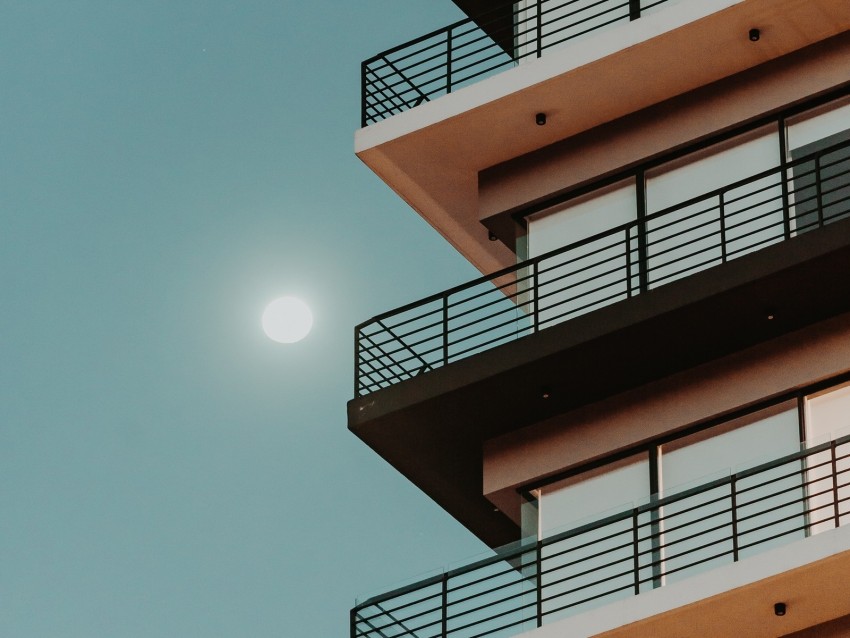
(169,167)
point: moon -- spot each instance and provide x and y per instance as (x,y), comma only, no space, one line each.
(287,320)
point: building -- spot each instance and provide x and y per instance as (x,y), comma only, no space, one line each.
(645,400)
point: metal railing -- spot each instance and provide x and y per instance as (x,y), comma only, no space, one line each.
(764,209)
(639,549)
(446,59)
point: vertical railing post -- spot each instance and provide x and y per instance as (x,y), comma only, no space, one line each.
(539,28)
(535,292)
(445,330)
(444,600)
(363,87)
(734,498)
(628,245)
(655,523)
(449,44)
(722,227)
(643,257)
(834,460)
(634,9)
(353,623)
(538,561)
(636,550)
(356,362)
(783,175)
(819,190)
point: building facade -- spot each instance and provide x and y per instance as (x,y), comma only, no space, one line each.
(643,405)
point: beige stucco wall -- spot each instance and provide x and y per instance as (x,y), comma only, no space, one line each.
(685,399)
(697,115)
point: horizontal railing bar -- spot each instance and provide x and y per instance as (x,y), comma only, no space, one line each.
(589,599)
(695,563)
(675,275)
(479,621)
(451,590)
(590,585)
(385,367)
(586,31)
(485,70)
(772,523)
(586,307)
(628,558)
(401,363)
(579,547)
(732,254)
(472,610)
(582,282)
(501,296)
(620,243)
(418,601)
(467,338)
(418,40)
(479,320)
(493,630)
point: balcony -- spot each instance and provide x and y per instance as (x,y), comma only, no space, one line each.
(666,544)
(467,51)
(762,210)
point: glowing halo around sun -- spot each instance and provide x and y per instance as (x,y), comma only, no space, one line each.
(287,320)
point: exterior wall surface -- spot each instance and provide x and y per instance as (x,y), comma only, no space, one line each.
(637,417)
(637,138)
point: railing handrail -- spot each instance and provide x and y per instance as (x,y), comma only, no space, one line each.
(640,225)
(656,502)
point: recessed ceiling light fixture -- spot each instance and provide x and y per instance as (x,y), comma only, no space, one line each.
(755,35)
(779,609)
(540,119)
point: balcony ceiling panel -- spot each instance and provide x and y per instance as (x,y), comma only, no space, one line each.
(431,155)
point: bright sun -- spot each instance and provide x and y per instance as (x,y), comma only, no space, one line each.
(287,320)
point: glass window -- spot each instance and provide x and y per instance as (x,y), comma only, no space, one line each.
(599,271)
(820,186)
(817,124)
(590,495)
(827,418)
(698,529)
(705,227)
(596,564)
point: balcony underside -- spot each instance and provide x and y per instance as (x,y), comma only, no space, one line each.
(432,427)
